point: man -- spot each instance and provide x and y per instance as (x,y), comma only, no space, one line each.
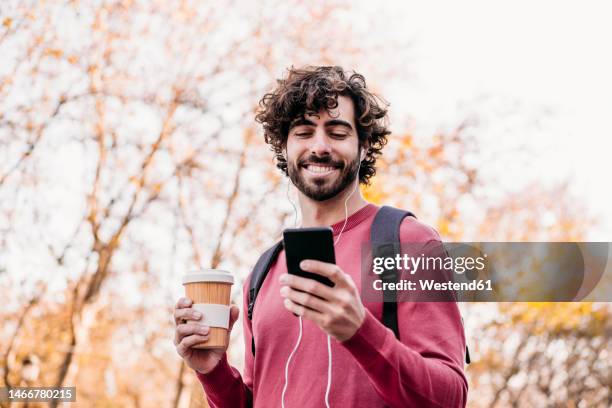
(327,130)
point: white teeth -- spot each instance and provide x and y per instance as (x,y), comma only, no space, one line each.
(319,169)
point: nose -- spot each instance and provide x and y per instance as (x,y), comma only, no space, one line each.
(320,143)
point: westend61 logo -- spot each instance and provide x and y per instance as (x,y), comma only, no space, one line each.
(487,271)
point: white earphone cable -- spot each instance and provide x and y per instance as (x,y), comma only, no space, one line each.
(329,371)
(287,365)
(295,212)
(329,351)
(345,206)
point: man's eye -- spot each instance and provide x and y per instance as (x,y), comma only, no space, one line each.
(338,134)
(302,134)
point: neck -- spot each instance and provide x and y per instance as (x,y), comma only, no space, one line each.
(328,212)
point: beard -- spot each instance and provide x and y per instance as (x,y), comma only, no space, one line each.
(321,189)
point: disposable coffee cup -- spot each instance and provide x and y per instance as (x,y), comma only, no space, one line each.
(210,291)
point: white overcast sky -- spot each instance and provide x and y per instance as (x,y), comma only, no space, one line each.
(539,56)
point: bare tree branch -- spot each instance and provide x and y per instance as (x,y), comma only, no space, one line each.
(33,143)
(217,254)
(20,321)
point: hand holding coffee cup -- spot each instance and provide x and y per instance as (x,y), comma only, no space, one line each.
(204,319)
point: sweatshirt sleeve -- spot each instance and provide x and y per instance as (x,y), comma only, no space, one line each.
(224,386)
(425,367)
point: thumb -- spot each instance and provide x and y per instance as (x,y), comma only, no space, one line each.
(234,312)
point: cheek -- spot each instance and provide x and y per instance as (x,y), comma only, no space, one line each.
(293,150)
(348,147)
(349,153)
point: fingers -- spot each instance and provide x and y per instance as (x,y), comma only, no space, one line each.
(183,312)
(303,311)
(307,285)
(329,270)
(184,315)
(234,313)
(189,329)
(305,299)
(183,302)
(188,342)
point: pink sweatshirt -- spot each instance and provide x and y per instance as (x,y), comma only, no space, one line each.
(371,369)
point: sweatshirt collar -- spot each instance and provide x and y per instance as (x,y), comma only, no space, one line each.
(355,219)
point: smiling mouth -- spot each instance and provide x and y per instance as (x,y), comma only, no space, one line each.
(319,169)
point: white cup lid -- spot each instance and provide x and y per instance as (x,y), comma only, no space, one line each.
(208,275)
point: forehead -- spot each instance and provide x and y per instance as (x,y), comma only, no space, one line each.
(345,110)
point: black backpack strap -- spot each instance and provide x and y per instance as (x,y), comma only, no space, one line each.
(385,240)
(257,278)
(468,360)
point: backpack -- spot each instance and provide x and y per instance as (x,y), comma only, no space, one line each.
(385,242)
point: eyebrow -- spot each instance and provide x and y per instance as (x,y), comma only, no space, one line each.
(331,122)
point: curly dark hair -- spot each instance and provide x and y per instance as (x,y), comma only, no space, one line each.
(310,89)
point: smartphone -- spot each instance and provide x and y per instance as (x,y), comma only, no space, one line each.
(309,243)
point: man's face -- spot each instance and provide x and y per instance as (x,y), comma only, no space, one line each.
(322,151)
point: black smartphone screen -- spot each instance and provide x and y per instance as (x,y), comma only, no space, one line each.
(309,243)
